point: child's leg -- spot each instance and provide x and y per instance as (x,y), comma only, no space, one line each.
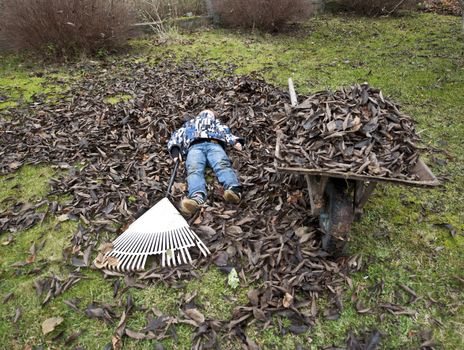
(220,163)
(196,163)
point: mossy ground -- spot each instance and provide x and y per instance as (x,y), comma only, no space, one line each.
(117,98)
(22,81)
(418,61)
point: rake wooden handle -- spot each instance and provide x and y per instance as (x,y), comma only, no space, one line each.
(173,176)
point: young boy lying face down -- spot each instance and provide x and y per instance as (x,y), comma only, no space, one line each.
(203,141)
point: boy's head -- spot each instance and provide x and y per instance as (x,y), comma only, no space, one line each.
(209,112)
(204,113)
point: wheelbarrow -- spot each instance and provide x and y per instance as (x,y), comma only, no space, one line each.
(338,198)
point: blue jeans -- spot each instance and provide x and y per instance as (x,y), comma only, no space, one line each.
(212,154)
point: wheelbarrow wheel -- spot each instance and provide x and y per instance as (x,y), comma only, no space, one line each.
(336,216)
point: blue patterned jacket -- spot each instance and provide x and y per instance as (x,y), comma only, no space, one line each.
(203,126)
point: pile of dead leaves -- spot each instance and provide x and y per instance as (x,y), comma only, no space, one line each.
(114,163)
(352,130)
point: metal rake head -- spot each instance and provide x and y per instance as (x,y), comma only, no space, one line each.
(160,231)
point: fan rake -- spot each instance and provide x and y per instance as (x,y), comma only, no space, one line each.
(160,231)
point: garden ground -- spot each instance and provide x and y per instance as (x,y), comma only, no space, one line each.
(408,237)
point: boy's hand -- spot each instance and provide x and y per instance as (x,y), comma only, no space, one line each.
(238,146)
(176,154)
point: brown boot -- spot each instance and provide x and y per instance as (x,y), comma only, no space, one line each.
(233,195)
(190,205)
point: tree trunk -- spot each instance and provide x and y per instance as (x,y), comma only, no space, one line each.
(211,12)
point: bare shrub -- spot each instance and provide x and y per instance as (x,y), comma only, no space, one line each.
(66,27)
(169,8)
(375,7)
(269,15)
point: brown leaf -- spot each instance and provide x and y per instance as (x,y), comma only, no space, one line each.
(251,344)
(298,329)
(221,259)
(77,262)
(50,324)
(306,237)
(87,254)
(63,217)
(362,309)
(18,313)
(134,335)
(112,261)
(288,300)
(14,165)
(73,337)
(231,251)
(105,248)
(8,240)
(301,231)
(295,197)
(118,333)
(195,315)
(7,297)
(234,230)
(101,261)
(72,304)
(208,230)
(259,314)
(253,296)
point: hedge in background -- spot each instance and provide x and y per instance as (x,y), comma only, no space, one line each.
(65,27)
(447,7)
(375,7)
(269,15)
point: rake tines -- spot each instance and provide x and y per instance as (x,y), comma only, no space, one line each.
(161,230)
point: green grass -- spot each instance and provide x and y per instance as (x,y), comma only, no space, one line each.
(28,184)
(117,98)
(216,298)
(416,60)
(22,80)
(19,88)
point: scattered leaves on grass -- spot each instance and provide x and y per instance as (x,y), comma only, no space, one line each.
(121,327)
(54,286)
(449,227)
(103,312)
(368,341)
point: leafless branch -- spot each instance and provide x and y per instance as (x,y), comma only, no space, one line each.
(396,7)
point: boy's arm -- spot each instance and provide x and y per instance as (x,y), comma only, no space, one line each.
(176,142)
(231,139)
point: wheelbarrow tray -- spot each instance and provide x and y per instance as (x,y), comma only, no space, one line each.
(336,207)
(421,170)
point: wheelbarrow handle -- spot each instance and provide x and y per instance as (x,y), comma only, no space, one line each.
(173,177)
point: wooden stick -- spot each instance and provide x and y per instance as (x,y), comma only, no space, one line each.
(291,89)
